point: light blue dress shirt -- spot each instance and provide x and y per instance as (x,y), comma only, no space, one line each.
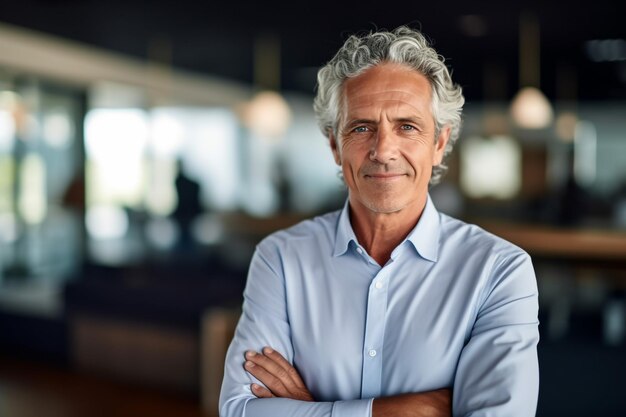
(454,307)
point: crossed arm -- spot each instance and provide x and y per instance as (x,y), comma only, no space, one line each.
(282,380)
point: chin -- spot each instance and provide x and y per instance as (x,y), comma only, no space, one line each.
(385,207)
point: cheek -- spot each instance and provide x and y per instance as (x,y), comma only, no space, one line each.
(351,163)
(421,159)
(353,152)
(348,145)
(350,175)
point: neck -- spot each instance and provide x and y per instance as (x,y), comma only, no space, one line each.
(381,233)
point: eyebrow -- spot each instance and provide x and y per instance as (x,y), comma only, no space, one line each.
(416,120)
(360,122)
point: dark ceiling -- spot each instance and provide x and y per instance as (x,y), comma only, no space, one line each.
(480,39)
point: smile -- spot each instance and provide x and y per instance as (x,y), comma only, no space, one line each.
(384,177)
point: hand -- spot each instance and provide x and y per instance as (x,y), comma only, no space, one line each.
(278,375)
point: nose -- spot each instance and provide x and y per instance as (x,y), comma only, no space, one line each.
(384,146)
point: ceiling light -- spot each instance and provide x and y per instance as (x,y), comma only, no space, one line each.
(530,109)
(267,115)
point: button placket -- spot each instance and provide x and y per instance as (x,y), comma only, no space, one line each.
(374,336)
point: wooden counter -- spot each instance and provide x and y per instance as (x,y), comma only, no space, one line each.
(552,242)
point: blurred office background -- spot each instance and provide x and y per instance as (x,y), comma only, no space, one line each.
(146,147)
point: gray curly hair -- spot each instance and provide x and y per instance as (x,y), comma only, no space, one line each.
(402,46)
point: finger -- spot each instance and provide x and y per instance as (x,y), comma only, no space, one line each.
(275,380)
(271,366)
(274,384)
(261,392)
(292,372)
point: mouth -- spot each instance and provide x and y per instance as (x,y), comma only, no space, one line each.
(384,176)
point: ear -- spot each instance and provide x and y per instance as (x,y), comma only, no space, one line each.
(334,147)
(440,145)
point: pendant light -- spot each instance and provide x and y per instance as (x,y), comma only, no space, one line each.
(530,109)
(267,115)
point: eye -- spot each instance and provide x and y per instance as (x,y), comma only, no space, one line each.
(407,127)
(360,129)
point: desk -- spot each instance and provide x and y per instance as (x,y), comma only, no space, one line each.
(560,243)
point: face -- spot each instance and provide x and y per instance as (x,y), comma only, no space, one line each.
(387,146)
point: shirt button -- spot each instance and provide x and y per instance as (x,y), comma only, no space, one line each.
(378,285)
(372,352)
(360,251)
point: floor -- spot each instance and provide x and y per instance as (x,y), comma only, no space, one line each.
(35,389)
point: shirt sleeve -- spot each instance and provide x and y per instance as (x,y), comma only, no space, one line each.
(264,322)
(498,372)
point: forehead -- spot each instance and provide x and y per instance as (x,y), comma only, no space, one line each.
(385,87)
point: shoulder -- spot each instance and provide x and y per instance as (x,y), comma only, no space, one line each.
(468,239)
(502,264)
(501,271)
(309,232)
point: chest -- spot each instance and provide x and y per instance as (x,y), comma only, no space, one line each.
(358,328)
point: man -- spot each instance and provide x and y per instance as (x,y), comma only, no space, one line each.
(387,307)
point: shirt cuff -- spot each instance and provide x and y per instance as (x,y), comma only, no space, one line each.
(353,408)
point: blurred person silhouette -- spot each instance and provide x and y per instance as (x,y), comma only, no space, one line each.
(188,206)
(386,307)
(73,201)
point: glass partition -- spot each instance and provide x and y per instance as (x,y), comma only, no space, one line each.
(41,179)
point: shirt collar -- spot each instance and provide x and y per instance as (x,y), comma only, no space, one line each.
(425,234)
(344,234)
(424,237)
